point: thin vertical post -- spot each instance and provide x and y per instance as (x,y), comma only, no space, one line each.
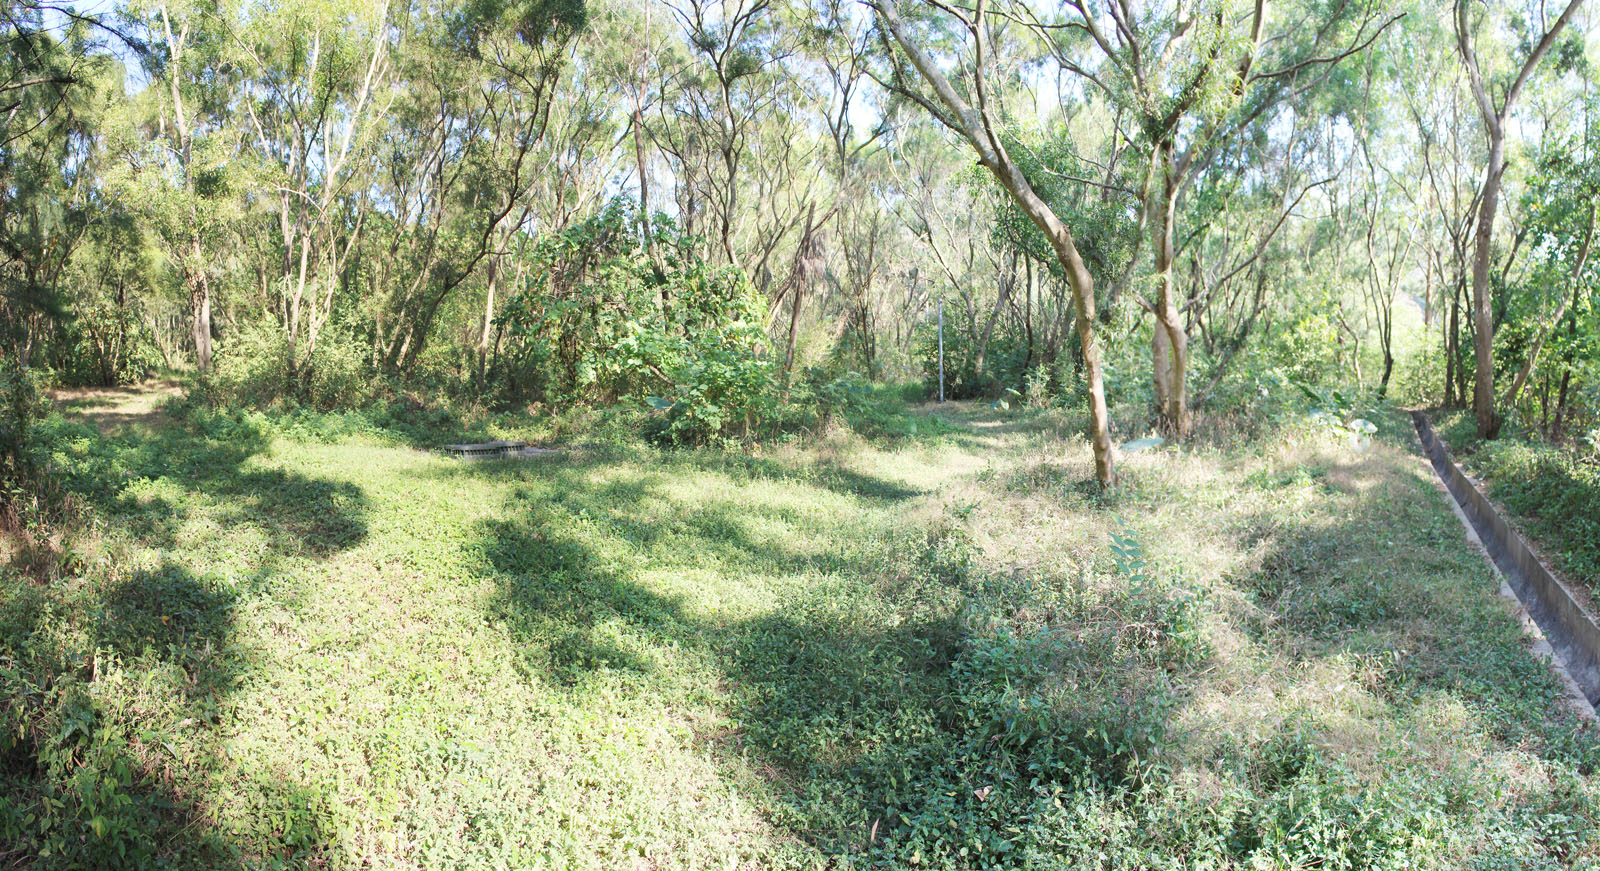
(941,350)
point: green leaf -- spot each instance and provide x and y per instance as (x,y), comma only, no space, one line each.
(658,403)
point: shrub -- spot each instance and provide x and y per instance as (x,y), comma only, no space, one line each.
(1558,491)
(250,366)
(1005,362)
(27,491)
(607,317)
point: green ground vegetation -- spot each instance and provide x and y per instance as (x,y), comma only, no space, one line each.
(1551,489)
(311,642)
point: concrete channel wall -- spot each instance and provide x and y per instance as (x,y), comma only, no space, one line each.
(1570,631)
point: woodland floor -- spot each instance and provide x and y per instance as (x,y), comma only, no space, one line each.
(346,651)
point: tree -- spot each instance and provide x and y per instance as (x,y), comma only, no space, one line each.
(1495,110)
(1190,78)
(978,123)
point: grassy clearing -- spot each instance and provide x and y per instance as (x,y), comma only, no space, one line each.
(309,643)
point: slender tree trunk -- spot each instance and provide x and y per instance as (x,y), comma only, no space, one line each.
(1483,342)
(1170,345)
(1561,404)
(1452,365)
(1494,121)
(794,326)
(1006,283)
(1427,295)
(1027,310)
(977,126)
(493,270)
(201,293)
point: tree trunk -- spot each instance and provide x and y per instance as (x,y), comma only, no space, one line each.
(493,270)
(1483,342)
(1561,404)
(1170,344)
(977,127)
(1007,281)
(1452,351)
(201,297)
(794,326)
(1494,121)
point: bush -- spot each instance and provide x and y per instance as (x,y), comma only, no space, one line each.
(27,491)
(251,369)
(1005,362)
(1557,491)
(607,317)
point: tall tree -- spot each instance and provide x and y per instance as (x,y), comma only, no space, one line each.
(1495,110)
(978,122)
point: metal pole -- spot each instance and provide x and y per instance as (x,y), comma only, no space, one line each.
(941,350)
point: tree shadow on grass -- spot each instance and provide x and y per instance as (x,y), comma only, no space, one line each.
(574,466)
(859,715)
(102,779)
(556,595)
(192,471)
(114,775)
(853,706)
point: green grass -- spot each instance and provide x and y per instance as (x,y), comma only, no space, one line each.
(1552,492)
(305,642)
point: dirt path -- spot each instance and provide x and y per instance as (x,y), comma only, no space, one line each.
(114,409)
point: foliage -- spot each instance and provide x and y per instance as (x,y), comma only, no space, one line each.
(1006,363)
(612,316)
(1557,491)
(29,495)
(844,654)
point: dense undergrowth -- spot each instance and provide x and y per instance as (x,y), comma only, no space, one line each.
(1552,489)
(289,640)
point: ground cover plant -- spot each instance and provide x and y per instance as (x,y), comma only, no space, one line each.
(281,648)
(1165,585)
(1551,490)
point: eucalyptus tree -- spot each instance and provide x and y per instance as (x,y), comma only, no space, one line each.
(317,81)
(974,116)
(1495,92)
(635,54)
(1190,76)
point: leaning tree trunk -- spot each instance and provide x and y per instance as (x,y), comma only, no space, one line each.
(977,127)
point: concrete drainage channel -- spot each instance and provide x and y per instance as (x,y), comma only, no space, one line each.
(497,450)
(1570,631)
